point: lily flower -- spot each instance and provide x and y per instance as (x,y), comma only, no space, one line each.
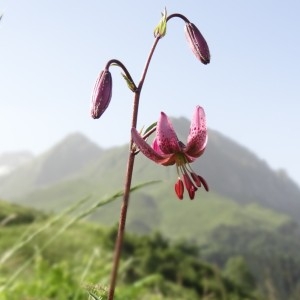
(167,150)
(101,94)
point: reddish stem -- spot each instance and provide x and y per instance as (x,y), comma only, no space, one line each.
(129,171)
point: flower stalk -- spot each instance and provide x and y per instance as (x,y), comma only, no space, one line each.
(129,172)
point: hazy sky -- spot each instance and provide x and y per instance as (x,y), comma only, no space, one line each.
(52,51)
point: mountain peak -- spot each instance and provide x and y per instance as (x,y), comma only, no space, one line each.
(75,139)
(67,158)
(230,169)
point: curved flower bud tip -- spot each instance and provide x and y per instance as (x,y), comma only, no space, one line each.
(197,43)
(101,94)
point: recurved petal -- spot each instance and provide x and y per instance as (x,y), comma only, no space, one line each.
(156,147)
(197,138)
(148,151)
(194,156)
(166,138)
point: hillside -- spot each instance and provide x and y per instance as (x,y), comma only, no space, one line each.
(76,167)
(65,160)
(12,160)
(61,264)
(250,210)
(46,259)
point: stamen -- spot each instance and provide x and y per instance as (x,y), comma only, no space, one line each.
(196,179)
(189,185)
(179,188)
(191,180)
(203,181)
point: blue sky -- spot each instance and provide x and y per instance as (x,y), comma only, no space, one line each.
(52,51)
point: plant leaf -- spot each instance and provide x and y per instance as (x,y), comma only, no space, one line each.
(129,82)
(150,127)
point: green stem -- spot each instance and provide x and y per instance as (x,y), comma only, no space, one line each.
(129,171)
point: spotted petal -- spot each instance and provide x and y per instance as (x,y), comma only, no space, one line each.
(166,138)
(197,138)
(149,152)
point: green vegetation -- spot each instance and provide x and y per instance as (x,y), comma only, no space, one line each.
(78,261)
(14,214)
(272,256)
(66,258)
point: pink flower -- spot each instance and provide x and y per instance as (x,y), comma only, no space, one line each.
(168,150)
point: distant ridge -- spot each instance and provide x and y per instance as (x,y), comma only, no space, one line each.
(232,171)
(66,159)
(11,160)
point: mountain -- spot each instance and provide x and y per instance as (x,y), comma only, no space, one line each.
(12,160)
(67,159)
(76,167)
(250,210)
(235,172)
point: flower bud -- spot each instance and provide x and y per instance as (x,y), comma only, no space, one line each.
(102,94)
(197,43)
(161,29)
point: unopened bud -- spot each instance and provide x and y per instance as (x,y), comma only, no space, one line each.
(102,94)
(197,43)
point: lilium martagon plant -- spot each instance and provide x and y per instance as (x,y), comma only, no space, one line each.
(166,149)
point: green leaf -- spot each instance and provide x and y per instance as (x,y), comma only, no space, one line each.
(130,83)
(153,125)
(95,297)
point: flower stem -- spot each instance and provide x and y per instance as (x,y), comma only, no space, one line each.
(184,18)
(129,171)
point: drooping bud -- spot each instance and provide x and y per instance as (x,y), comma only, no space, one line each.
(197,43)
(101,94)
(179,188)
